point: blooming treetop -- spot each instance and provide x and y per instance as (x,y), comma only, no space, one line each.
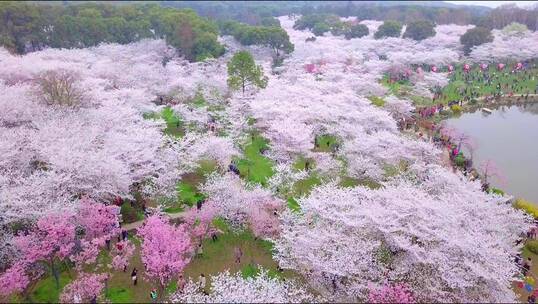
(84,289)
(13,280)
(397,293)
(227,288)
(405,232)
(507,47)
(166,249)
(98,220)
(122,252)
(241,203)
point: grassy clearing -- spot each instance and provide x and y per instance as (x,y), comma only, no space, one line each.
(350,182)
(325,143)
(398,88)
(293,204)
(518,83)
(254,166)
(198,101)
(377,101)
(174,125)
(300,163)
(304,186)
(188,193)
(394,170)
(219,255)
(120,295)
(44,291)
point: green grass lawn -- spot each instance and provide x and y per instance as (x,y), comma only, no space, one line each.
(120,295)
(293,204)
(219,255)
(300,163)
(198,101)
(347,181)
(45,290)
(325,143)
(397,88)
(174,125)
(187,190)
(377,101)
(304,186)
(254,166)
(457,85)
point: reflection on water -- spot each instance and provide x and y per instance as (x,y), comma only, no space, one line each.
(509,137)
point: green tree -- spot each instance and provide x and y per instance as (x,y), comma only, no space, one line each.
(475,36)
(389,28)
(278,39)
(320,28)
(356,31)
(515,29)
(243,72)
(419,30)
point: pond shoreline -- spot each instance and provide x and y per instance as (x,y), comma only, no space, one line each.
(516,100)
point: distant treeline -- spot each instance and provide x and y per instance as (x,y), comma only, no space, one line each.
(253,12)
(270,35)
(26,27)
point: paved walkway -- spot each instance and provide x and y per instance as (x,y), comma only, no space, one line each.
(134,225)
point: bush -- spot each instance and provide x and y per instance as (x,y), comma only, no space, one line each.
(389,28)
(60,87)
(320,28)
(419,30)
(356,31)
(459,160)
(496,191)
(526,206)
(475,36)
(532,246)
(456,109)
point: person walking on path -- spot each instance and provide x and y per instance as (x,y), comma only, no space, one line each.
(133,276)
(202,282)
(200,250)
(153,295)
(238,254)
(181,283)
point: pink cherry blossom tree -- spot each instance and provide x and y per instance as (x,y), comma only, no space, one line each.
(122,253)
(85,288)
(391,293)
(200,222)
(166,249)
(52,239)
(14,280)
(98,220)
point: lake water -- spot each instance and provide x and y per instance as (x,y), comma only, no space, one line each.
(509,137)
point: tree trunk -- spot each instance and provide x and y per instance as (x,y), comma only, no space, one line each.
(160,294)
(55,273)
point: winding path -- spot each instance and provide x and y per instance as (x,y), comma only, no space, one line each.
(134,225)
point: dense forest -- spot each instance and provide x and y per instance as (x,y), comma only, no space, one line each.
(441,13)
(189,25)
(29,27)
